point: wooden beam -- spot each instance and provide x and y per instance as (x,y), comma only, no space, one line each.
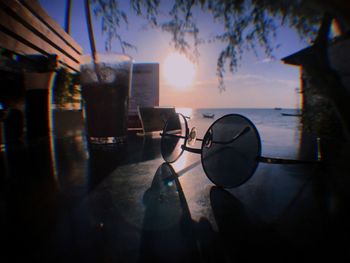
(40,13)
(29,20)
(21,33)
(10,43)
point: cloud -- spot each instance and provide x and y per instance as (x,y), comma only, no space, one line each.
(265,60)
(248,80)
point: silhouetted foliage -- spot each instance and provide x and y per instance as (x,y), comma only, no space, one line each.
(65,87)
(245,23)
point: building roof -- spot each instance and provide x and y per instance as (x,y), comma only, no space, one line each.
(299,58)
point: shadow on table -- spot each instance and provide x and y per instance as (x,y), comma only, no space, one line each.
(169,234)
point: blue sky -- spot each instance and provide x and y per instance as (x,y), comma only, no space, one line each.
(259,82)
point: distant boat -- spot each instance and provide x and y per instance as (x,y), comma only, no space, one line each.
(206,115)
(277,108)
(291,114)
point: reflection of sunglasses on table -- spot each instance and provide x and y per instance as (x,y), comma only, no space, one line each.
(230,151)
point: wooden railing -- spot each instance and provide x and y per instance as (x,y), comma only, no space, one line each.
(26,29)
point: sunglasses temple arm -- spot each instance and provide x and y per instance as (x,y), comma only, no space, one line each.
(242,132)
(285,161)
(172,135)
(192,150)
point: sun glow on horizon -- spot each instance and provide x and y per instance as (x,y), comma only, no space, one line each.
(179,71)
(185,111)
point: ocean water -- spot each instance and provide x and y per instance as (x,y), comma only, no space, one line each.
(280,135)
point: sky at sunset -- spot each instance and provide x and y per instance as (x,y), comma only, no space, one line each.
(259,82)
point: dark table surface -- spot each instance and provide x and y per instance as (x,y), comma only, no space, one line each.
(62,200)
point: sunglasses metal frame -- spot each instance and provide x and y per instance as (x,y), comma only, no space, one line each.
(207,142)
(264,159)
(204,140)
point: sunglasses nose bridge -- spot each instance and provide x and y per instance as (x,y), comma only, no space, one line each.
(208,139)
(192,136)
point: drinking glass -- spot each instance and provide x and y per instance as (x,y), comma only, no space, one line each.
(106,85)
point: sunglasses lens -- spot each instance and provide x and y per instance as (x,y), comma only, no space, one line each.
(229,151)
(174,134)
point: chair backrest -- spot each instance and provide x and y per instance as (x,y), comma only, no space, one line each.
(153,118)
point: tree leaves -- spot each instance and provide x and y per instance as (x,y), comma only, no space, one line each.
(246,24)
(112,18)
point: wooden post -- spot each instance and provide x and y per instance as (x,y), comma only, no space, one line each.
(68,16)
(90,29)
(37,101)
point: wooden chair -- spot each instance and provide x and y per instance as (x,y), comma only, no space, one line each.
(32,46)
(153,118)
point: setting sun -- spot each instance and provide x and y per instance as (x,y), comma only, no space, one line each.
(179,71)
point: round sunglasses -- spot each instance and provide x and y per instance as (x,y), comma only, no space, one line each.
(230,150)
